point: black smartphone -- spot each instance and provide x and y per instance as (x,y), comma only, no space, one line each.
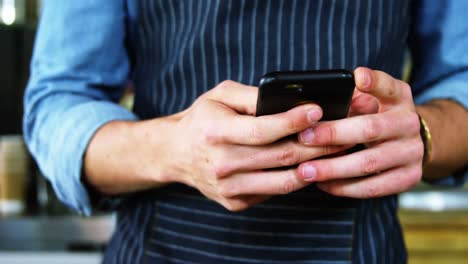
(332,90)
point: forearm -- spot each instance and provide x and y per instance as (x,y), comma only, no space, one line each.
(117,159)
(447,122)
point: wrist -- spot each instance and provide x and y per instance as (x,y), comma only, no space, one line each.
(446,121)
(116,160)
(154,151)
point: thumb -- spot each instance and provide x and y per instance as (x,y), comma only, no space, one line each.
(363,104)
(239,97)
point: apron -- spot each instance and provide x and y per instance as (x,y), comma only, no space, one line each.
(179,50)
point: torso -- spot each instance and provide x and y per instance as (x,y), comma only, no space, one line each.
(181,49)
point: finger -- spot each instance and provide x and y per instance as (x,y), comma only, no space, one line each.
(386,183)
(239,97)
(363,104)
(243,202)
(362,129)
(262,183)
(381,85)
(381,157)
(280,154)
(248,130)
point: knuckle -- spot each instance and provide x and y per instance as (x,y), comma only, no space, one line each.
(326,134)
(292,125)
(328,150)
(333,189)
(405,89)
(222,167)
(204,97)
(372,129)
(211,135)
(404,86)
(370,163)
(372,191)
(288,186)
(415,176)
(229,206)
(221,88)
(417,150)
(256,134)
(235,206)
(413,123)
(222,170)
(288,156)
(225,190)
(225,84)
(392,90)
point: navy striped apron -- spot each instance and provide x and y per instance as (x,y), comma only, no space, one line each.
(182,48)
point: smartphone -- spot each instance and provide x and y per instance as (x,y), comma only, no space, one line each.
(332,90)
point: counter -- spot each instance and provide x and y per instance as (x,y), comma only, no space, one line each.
(59,233)
(49,258)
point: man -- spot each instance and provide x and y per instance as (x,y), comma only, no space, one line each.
(186,171)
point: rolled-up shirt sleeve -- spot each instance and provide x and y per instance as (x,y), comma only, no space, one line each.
(439,42)
(78,72)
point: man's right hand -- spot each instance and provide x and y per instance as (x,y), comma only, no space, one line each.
(217,146)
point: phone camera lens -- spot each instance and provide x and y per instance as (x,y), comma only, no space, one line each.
(295,87)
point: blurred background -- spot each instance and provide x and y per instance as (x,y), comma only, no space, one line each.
(36,227)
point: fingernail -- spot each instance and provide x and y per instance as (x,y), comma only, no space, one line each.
(313,115)
(309,172)
(366,79)
(307,135)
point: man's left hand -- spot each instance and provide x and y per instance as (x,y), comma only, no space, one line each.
(392,161)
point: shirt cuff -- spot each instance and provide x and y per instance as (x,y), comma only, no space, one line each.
(70,188)
(454,88)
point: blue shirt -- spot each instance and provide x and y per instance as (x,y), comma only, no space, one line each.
(87,50)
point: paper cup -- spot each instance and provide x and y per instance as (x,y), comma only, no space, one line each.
(14,164)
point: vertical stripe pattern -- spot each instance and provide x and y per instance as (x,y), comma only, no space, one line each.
(184,48)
